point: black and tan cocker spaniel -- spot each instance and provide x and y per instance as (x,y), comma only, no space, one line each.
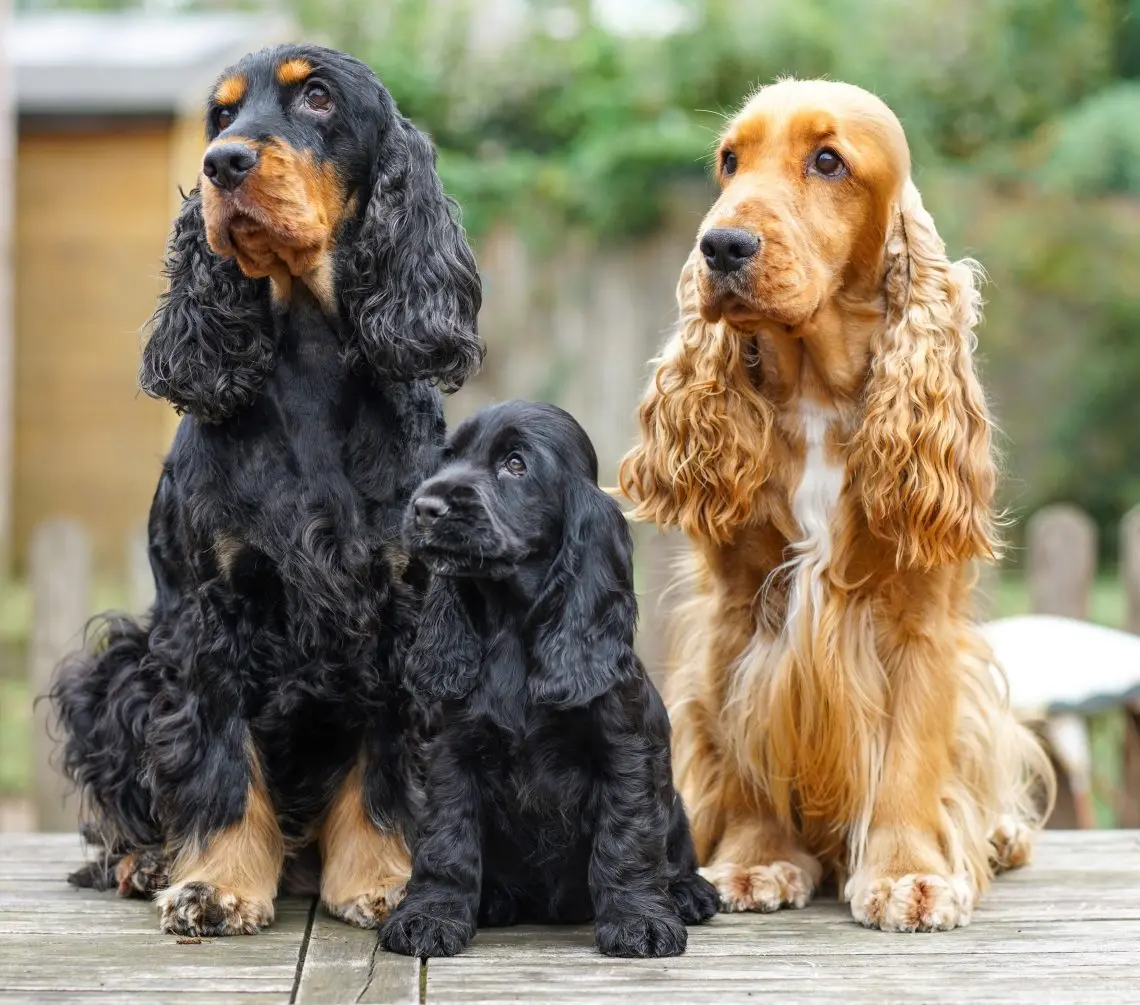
(320,289)
(549,791)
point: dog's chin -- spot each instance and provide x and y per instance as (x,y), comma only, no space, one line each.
(445,556)
(734,301)
(238,227)
(466,565)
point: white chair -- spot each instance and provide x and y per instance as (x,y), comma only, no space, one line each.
(1060,670)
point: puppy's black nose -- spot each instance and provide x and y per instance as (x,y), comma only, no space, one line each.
(428,509)
(227,164)
(726,249)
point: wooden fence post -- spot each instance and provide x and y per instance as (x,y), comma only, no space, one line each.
(1061,560)
(1130,566)
(140,579)
(659,591)
(7,312)
(59,564)
(1128,801)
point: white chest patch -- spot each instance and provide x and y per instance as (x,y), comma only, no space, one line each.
(813,505)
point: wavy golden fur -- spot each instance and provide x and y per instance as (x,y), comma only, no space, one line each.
(816,427)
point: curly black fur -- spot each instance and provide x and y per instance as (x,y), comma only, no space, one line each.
(411,288)
(549,790)
(285,599)
(211,341)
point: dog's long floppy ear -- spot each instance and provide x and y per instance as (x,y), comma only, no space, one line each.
(585,616)
(211,338)
(922,453)
(409,283)
(443,662)
(706,431)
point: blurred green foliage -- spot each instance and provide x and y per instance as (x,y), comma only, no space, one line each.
(592,127)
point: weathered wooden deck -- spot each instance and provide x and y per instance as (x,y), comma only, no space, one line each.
(1067,929)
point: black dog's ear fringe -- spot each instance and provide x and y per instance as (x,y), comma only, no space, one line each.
(409,284)
(210,343)
(585,618)
(443,663)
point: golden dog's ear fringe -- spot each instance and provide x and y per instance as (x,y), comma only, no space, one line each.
(705,431)
(923,449)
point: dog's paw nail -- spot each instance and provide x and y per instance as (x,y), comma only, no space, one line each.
(762,888)
(369,909)
(641,936)
(1011,844)
(695,898)
(198,909)
(912,903)
(429,930)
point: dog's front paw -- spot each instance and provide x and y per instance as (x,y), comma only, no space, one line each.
(427,929)
(1011,844)
(204,909)
(142,873)
(695,897)
(764,888)
(912,903)
(641,935)
(369,909)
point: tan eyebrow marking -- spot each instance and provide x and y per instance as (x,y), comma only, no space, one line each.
(231,90)
(293,71)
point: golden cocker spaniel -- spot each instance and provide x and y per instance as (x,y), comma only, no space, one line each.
(816,427)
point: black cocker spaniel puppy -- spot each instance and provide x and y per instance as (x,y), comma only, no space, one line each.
(549,791)
(321,289)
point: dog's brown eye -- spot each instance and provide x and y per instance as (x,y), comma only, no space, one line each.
(224,117)
(317,97)
(515,465)
(828,163)
(728,162)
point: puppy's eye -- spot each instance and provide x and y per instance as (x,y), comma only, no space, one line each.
(317,97)
(828,163)
(224,117)
(728,162)
(515,465)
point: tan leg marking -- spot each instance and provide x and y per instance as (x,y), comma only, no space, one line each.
(365,869)
(226,885)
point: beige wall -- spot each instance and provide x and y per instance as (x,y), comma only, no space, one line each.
(93,208)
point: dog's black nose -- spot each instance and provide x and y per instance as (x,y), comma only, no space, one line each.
(428,510)
(726,249)
(227,164)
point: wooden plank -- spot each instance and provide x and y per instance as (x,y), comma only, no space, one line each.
(1067,929)
(60,565)
(819,930)
(770,976)
(143,998)
(1055,931)
(345,964)
(60,944)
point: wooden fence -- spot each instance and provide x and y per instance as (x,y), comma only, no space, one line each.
(1061,567)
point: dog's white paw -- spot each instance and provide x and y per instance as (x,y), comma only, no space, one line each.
(912,903)
(763,888)
(1011,844)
